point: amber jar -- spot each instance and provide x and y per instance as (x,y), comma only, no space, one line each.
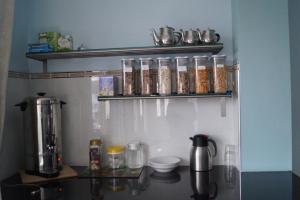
(95,154)
(143,76)
(128,76)
(182,77)
(219,74)
(201,70)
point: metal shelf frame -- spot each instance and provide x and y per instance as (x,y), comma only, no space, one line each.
(209,95)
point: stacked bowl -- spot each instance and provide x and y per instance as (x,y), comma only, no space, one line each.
(164,164)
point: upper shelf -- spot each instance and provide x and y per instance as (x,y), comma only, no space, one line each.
(214,49)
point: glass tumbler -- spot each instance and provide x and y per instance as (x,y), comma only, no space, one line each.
(134,155)
(230,173)
(229,156)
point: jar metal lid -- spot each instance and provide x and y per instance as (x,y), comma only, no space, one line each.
(218,56)
(145,58)
(42,100)
(203,56)
(123,59)
(163,58)
(134,145)
(95,142)
(115,149)
(181,57)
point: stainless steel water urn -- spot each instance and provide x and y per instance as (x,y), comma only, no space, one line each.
(201,156)
(42,132)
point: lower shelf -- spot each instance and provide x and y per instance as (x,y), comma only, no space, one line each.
(175,96)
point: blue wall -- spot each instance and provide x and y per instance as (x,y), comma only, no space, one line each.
(294,6)
(114,23)
(265,89)
(18,61)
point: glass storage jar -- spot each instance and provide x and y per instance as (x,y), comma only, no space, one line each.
(116,157)
(134,155)
(201,70)
(164,76)
(143,80)
(219,74)
(128,65)
(182,79)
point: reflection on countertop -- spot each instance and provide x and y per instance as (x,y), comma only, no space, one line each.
(220,183)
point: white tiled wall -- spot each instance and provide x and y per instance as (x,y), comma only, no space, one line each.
(11,153)
(163,125)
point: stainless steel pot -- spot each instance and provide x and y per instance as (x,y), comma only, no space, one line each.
(42,129)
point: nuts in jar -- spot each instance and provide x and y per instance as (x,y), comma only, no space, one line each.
(128,76)
(182,79)
(164,76)
(145,64)
(201,69)
(219,74)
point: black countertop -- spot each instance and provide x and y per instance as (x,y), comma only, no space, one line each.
(220,184)
(270,186)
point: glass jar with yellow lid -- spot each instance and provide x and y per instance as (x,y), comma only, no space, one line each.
(116,156)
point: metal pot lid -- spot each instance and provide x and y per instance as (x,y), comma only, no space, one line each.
(41,99)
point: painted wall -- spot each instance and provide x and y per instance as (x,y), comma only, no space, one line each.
(105,24)
(265,89)
(294,15)
(18,61)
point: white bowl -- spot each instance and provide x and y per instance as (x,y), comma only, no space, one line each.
(163,170)
(164,161)
(164,164)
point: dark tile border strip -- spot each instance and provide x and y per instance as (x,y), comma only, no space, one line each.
(21,75)
(52,75)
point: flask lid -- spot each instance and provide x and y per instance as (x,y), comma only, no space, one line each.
(200,140)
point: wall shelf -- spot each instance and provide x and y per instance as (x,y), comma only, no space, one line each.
(214,49)
(209,95)
(132,51)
